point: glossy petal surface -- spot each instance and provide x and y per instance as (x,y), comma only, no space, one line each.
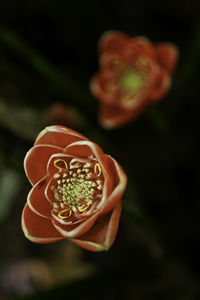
(38,229)
(35,162)
(59,136)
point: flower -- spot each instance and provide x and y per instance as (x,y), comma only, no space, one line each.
(76,192)
(133,75)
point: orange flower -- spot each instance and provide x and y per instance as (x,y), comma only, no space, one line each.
(134,74)
(76,192)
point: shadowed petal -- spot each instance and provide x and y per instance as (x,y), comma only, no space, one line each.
(167,56)
(36,159)
(37,201)
(38,229)
(102,235)
(58,136)
(70,231)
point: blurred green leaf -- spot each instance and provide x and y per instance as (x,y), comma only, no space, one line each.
(10,184)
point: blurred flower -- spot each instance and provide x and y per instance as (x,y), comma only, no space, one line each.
(76,192)
(134,74)
(59,113)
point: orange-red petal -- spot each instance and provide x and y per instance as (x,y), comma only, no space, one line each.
(70,231)
(36,159)
(38,229)
(58,136)
(160,87)
(102,235)
(119,187)
(167,55)
(37,201)
(111,116)
(113,41)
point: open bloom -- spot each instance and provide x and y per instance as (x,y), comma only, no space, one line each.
(76,192)
(133,75)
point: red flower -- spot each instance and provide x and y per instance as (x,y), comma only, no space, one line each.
(76,192)
(134,74)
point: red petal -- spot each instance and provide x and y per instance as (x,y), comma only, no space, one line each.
(37,201)
(36,159)
(99,86)
(167,56)
(118,189)
(70,231)
(38,229)
(160,87)
(113,41)
(102,235)
(111,117)
(59,136)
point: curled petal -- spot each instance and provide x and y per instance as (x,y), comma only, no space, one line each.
(38,229)
(167,54)
(120,185)
(36,159)
(58,136)
(37,201)
(70,231)
(102,235)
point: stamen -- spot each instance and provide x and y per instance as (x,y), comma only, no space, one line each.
(97,169)
(65,213)
(60,164)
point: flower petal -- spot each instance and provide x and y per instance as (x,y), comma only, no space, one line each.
(36,159)
(111,117)
(120,185)
(58,136)
(167,56)
(161,86)
(99,86)
(70,231)
(38,229)
(37,201)
(102,235)
(113,41)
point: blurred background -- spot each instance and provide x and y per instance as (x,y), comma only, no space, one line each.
(48,53)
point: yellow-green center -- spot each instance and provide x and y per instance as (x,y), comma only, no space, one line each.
(131,81)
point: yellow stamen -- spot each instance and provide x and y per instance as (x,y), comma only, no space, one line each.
(60,164)
(83,207)
(61,216)
(97,169)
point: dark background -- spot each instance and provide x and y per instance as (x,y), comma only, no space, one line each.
(48,53)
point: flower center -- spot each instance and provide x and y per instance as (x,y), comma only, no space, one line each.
(131,81)
(76,188)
